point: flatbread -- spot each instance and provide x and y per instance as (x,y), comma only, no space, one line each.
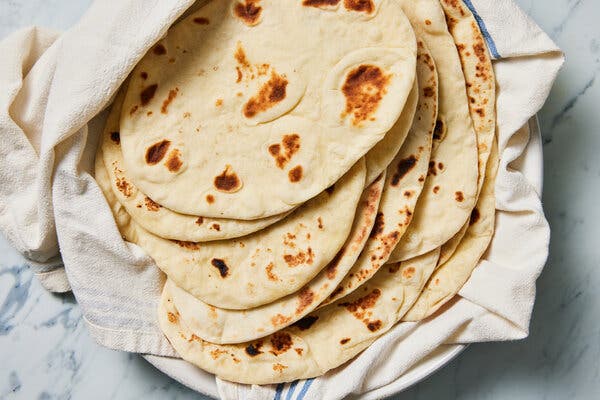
(403,185)
(450,277)
(481,90)
(151,215)
(380,156)
(264,266)
(218,325)
(451,189)
(323,340)
(275,128)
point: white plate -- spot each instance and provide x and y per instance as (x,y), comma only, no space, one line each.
(530,163)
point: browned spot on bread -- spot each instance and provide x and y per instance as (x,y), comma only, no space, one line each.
(270,274)
(436,189)
(427,22)
(320,3)
(254,349)
(210,198)
(248,11)
(365,6)
(332,266)
(156,152)
(174,162)
(374,325)
(364,89)
(280,319)
(216,353)
(428,91)
(300,258)
(219,103)
(363,303)
(459,197)
(221,266)
(279,367)
(440,166)
(115,137)
(147,94)
(306,322)
(344,341)
(306,298)
(320,222)
(133,110)
(172,317)
(298,351)
(144,75)
(216,227)
(432,169)
(408,193)
(408,273)
(295,174)
(239,77)
(200,221)
(187,245)
(404,167)
(228,181)
(240,56)
(379,225)
(291,145)
(439,130)
(151,205)
(171,96)
(159,50)
(421,179)
(475,215)
(271,92)
(281,342)
(201,21)
(124,186)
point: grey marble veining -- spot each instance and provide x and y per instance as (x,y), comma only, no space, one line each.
(46,352)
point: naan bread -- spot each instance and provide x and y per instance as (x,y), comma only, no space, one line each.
(323,340)
(264,266)
(380,156)
(246,110)
(451,189)
(450,277)
(450,246)
(154,217)
(218,325)
(403,185)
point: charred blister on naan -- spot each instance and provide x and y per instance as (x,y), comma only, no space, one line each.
(147,94)
(332,266)
(439,132)
(284,151)
(295,174)
(124,187)
(459,196)
(280,343)
(366,6)
(360,306)
(306,322)
(280,320)
(174,162)
(322,4)
(151,205)
(379,225)
(344,340)
(364,88)
(248,11)
(201,21)
(187,245)
(254,349)
(305,298)
(221,266)
(270,93)
(408,272)
(404,167)
(215,227)
(300,258)
(270,274)
(228,181)
(159,50)
(156,152)
(115,137)
(170,97)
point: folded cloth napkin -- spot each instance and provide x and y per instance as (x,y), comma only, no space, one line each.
(55,88)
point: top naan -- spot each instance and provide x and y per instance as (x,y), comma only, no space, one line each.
(245,110)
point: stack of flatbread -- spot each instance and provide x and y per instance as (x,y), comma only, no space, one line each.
(306,173)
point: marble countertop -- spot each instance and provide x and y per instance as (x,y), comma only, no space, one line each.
(47,353)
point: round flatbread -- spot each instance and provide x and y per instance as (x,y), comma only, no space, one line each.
(450,277)
(323,340)
(403,185)
(264,266)
(218,325)
(451,189)
(274,128)
(151,215)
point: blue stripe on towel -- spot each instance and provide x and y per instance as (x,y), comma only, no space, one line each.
(305,388)
(291,389)
(488,38)
(278,392)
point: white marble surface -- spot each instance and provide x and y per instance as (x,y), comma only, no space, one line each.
(46,353)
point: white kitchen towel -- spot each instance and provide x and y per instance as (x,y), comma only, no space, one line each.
(55,88)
